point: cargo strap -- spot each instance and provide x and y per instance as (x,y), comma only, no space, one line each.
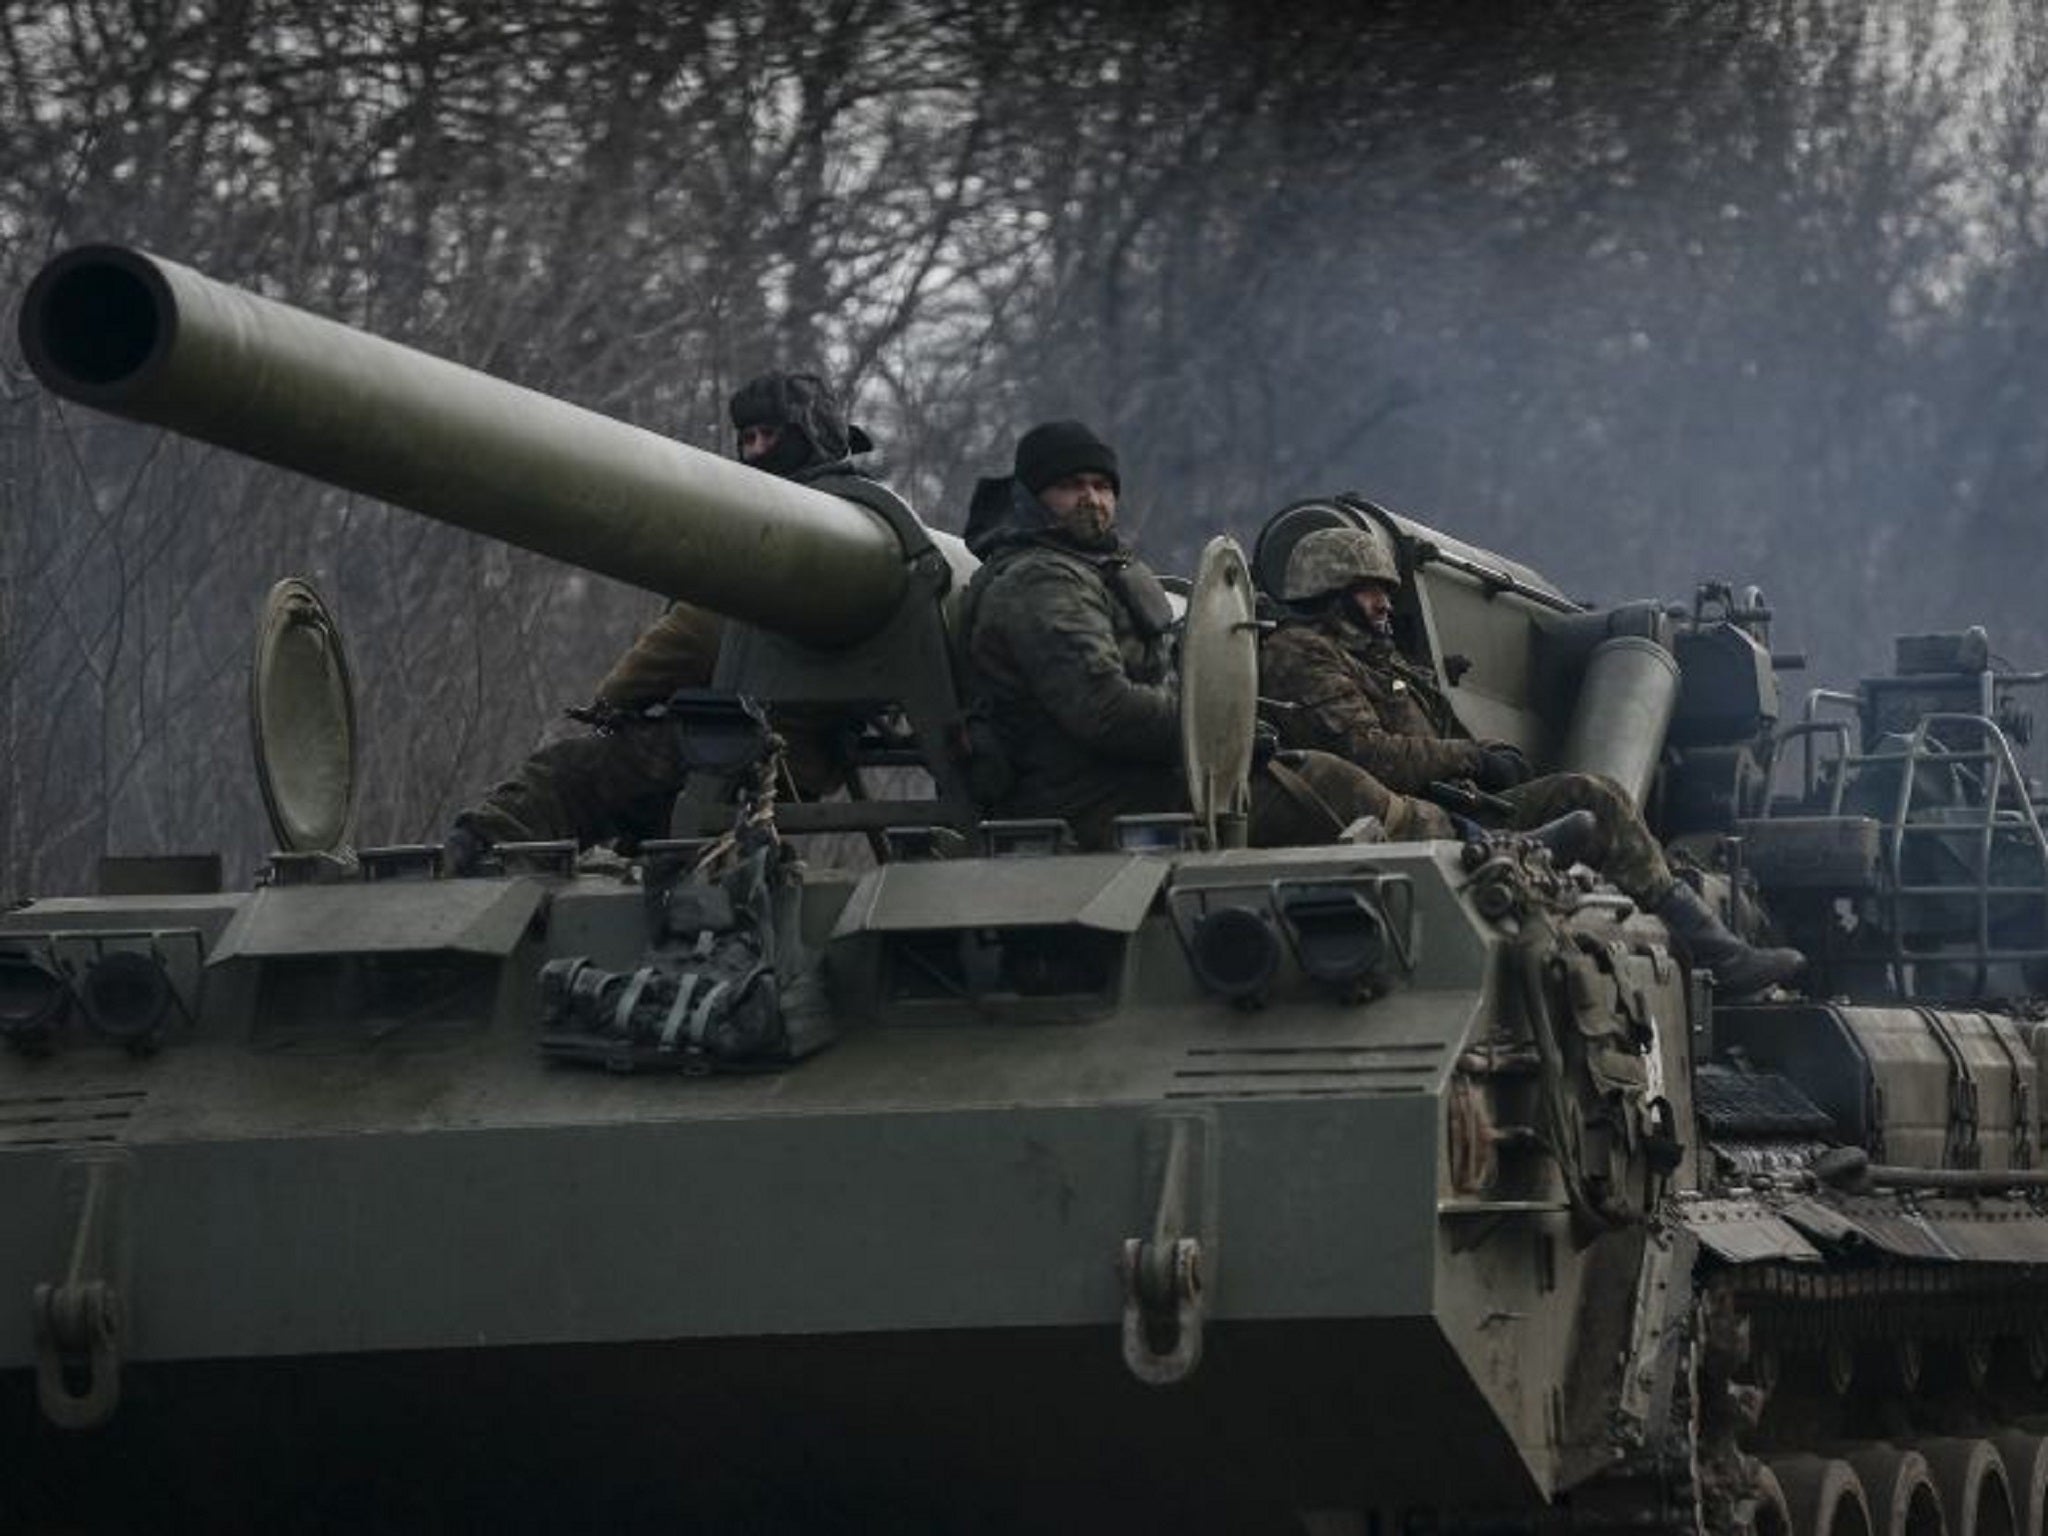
(1303,794)
(1963,1149)
(726,983)
(2022,1063)
(1604,1114)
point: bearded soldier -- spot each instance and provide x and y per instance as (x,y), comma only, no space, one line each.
(1065,629)
(620,781)
(1343,687)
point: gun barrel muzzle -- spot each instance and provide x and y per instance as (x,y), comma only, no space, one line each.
(148,339)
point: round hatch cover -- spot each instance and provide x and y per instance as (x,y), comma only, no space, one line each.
(1219,691)
(302,719)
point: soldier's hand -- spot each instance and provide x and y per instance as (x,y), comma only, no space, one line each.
(463,853)
(1501,766)
(1265,743)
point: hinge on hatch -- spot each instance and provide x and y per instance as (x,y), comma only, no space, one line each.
(1164,1280)
(79,1319)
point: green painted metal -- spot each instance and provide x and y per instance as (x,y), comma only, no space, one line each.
(139,336)
(1107,891)
(302,720)
(346,1162)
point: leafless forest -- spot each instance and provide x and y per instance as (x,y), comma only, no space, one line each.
(1640,293)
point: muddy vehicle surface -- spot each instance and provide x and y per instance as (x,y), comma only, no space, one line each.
(1183,1186)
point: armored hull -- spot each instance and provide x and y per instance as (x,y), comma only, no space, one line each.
(911,1240)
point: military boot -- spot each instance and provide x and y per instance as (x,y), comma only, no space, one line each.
(1740,968)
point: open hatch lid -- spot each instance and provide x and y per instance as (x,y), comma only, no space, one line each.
(1219,692)
(1107,891)
(394,917)
(302,721)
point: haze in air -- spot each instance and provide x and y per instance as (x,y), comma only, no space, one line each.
(1639,295)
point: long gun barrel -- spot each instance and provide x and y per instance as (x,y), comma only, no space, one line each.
(138,336)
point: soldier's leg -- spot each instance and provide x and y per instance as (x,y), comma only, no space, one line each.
(1627,854)
(1631,859)
(1315,795)
(590,788)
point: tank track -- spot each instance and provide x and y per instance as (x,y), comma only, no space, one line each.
(1890,1400)
(1853,1373)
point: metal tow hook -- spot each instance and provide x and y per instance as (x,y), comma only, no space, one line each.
(1162,1308)
(1164,1301)
(78,1327)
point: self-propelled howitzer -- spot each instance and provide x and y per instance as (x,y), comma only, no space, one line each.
(1173,1187)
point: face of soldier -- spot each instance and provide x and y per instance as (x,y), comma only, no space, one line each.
(757,442)
(1372,604)
(1083,504)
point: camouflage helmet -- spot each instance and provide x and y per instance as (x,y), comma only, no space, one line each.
(1335,560)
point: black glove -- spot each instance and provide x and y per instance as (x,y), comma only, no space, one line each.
(463,853)
(1265,742)
(1501,767)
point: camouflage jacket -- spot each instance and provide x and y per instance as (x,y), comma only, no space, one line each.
(1077,688)
(678,650)
(1344,691)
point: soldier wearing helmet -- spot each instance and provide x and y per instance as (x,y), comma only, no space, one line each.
(620,781)
(1065,633)
(1345,688)
(1354,693)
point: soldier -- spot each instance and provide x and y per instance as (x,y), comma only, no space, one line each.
(620,781)
(1343,687)
(1065,634)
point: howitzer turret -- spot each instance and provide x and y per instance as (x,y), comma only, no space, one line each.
(148,339)
(838,595)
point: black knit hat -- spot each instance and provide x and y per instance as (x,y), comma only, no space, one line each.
(1055,449)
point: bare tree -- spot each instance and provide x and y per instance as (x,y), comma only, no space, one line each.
(1642,294)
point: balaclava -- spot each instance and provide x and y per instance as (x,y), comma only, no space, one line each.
(807,414)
